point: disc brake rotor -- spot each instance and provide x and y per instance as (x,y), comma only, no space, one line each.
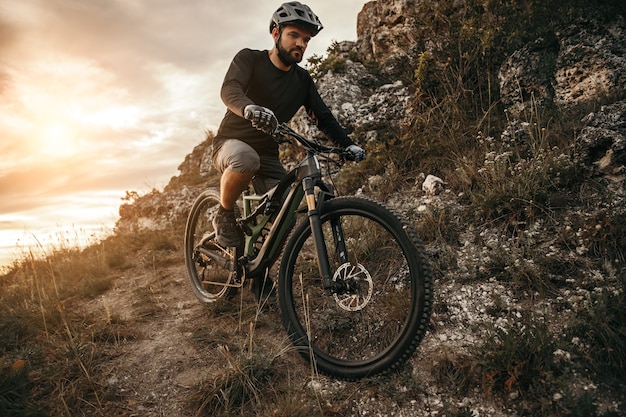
(359,287)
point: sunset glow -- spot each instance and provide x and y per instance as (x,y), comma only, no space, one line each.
(57,141)
(102,97)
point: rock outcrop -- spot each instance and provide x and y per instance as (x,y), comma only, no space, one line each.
(580,63)
(385,29)
(603,145)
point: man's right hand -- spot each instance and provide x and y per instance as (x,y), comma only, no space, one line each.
(261,117)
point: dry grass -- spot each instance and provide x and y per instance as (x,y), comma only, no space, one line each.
(43,327)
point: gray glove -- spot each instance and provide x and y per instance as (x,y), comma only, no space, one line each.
(261,117)
(357,152)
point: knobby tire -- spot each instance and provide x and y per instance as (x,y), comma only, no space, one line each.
(208,280)
(376,325)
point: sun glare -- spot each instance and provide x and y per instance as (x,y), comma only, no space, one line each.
(66,104)
(64,131)
(57,140)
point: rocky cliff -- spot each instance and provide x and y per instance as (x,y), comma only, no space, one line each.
(582,61)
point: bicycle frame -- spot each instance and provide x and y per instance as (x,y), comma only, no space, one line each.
(279,207)
(300,184)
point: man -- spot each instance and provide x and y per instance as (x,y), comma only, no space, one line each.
(260,90)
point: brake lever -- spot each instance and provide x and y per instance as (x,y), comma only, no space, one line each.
(280,134)
(347,156)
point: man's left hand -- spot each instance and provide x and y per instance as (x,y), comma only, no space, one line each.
(357,152)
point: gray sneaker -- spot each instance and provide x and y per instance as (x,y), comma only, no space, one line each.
(226,231)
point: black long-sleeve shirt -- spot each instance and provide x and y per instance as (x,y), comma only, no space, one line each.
(252,78)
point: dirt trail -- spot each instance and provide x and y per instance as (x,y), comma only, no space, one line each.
(154,368)
(152,371)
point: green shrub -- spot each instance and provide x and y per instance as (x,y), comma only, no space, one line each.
(334,61)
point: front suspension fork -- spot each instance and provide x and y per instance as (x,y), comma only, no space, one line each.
(314,211)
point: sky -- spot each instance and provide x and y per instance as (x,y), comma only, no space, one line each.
(100,97)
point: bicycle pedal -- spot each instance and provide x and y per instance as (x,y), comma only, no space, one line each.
(210,245)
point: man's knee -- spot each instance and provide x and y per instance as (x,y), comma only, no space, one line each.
(244,161)
(237,156)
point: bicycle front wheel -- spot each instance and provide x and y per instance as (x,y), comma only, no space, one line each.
(209,278)
(380,309)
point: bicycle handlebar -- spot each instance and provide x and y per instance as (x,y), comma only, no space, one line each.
(283,133)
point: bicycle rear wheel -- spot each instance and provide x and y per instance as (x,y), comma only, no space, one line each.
(208,277)
(378,318)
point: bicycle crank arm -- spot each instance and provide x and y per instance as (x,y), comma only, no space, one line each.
(216,257)
(223,284)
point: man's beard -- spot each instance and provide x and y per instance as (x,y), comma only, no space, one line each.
(286,57)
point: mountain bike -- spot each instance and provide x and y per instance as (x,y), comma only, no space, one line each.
(354,284)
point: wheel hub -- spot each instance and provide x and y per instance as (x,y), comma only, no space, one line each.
(358,287)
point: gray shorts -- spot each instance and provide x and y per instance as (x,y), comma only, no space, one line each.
(238,156)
